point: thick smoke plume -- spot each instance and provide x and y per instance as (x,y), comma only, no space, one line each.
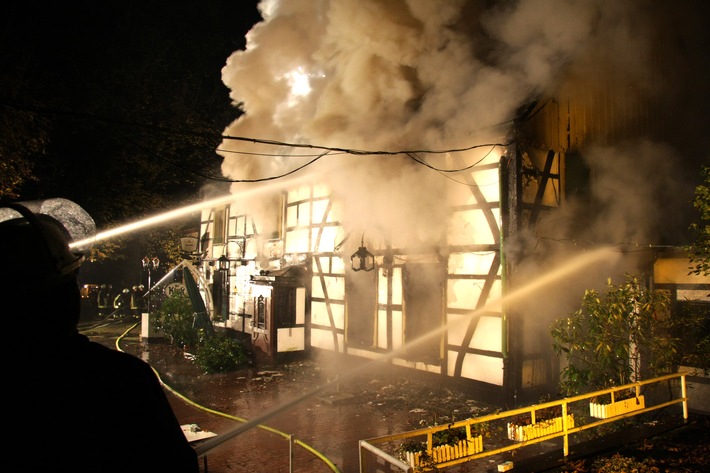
(392,75)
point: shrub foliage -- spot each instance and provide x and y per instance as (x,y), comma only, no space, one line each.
(215,352)
(602,342)
(220,353)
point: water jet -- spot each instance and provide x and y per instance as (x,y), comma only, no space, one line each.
(570,267)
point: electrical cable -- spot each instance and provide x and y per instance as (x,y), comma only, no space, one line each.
(327,150)
(359,151)
(443,172)
(638,246)
(220,178)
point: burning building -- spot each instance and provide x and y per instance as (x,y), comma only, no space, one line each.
(430,183)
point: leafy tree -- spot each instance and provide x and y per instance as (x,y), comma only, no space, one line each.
(693,327)
(13,173)
(21,143)
(699,251)
(109,107)
(603,342)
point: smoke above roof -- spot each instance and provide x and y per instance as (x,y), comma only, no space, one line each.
(392,75)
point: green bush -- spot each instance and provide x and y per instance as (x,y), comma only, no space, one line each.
(603,342)
(214,352)
(449,436)
(220,354)
(176,319)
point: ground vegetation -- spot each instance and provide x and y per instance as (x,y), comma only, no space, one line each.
(699,251)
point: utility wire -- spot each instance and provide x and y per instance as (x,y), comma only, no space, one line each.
(328,149)
(173,131)
(360,151)
(625,247)
(220,178)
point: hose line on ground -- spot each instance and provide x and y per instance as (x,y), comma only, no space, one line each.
(304,445)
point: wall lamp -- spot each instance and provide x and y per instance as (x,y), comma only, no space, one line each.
(362,260)
(223,263)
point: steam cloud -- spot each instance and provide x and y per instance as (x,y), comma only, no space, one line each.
(421,74)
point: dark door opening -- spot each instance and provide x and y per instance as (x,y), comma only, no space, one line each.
(361,309)
(422,311)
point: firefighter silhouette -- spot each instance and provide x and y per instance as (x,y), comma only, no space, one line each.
(102,300)
(143,304)
(136,301)
(122,303)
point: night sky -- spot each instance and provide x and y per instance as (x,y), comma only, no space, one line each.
(148,63)
(79,43)
(385,75)
(94,81)
(99,75)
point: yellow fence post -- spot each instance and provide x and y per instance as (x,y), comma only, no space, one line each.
(685,398)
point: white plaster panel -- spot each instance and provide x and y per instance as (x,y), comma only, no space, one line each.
(478,367)
(301,305)
(397,330)
(397,286)
(290,339)
(488,334)
(463,293)
(319,313)
(297,241)
(489,183)
(456,328)
(382,329)
(319,209)
(338,311)
(468,227)
(324,339)
(328,239)
(471,263)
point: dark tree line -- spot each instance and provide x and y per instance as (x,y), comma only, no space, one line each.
(118,106)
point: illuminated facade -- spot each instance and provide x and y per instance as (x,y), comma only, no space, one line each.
(464,304)
(436,308)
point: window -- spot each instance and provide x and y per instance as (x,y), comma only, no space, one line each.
(219,225)
(285,306)
(260,321)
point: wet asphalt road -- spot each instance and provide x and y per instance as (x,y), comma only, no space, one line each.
(315,432)
(325,427)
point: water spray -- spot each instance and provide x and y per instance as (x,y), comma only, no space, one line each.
(179,212)
(154,220)
(572,266)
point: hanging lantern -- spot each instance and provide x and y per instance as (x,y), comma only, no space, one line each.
(362,260)
(223,263)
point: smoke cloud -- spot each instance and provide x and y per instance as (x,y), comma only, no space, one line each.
(395,75)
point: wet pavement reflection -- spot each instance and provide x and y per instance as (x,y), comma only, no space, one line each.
(377,400)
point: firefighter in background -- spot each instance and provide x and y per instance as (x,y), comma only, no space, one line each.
(143,302)
(102,300)
(122,303)
(136,301)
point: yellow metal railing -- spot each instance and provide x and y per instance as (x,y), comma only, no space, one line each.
(566,425)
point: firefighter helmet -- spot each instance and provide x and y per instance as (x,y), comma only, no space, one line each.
(39,245)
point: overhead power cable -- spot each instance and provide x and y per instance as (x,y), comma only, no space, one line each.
(361,151)
(623,247)
(328,150)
